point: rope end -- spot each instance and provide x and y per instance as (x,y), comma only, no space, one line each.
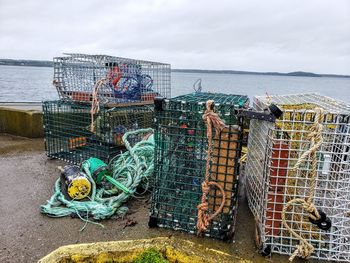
(210,105)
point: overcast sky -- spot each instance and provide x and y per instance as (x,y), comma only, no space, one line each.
(256,35)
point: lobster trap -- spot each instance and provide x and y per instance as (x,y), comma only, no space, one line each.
(180,163)
(273,151)
(72,136)
(80,77)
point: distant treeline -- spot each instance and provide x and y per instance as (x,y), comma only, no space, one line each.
(24,62)
(294,74)
(46,63)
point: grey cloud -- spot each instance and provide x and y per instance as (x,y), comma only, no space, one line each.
(271,35)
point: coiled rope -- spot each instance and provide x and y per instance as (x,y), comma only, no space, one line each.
(135,167)
(211,119)
(305,249)
(132,168)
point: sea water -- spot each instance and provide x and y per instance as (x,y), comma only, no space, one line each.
(21,83)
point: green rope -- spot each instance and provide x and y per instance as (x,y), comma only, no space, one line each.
(132,168)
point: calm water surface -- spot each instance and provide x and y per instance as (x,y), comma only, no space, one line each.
(35,84)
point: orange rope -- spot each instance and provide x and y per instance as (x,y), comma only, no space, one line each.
(95,105)
(211,119)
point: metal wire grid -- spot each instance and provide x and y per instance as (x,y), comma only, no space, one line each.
(255,164)
(181,146)
(67,129)
(219,98)
(271,183)
(125,80)
(329,104)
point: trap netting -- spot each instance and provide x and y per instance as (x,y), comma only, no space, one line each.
(180,163)
(273,151)
(80,77)
(71,135)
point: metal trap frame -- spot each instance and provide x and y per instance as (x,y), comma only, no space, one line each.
(68,135)
(180,158)
(273,150)
(114,79)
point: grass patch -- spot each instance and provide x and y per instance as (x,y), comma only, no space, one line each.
(151,255)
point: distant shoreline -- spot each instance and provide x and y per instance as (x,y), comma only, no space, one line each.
(290,74)
(46,63)
(27,63)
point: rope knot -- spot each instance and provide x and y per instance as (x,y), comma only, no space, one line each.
(203,207)
(312,210)
(209,105)
(212,119)
(303,250)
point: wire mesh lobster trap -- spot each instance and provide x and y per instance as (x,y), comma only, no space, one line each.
(273,183)
(80,77)
(69,135)
(180,163)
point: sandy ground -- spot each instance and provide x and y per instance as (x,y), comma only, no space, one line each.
(26,180)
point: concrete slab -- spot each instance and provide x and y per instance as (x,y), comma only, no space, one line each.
(26,181)
(21,120)
(27,106)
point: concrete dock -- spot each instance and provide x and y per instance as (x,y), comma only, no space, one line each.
(21,119)
(26,181)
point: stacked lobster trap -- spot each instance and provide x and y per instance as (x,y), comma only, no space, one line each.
(79,77)
(101,98)
(70,135)
(180,163)
(278,173)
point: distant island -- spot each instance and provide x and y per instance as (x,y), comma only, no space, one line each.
(46,63)
(293,74)
(24,62)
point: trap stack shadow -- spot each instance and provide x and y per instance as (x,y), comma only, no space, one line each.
(68,135)
(274,149)
(180,162)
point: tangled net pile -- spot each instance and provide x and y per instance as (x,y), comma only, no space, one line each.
(131,168)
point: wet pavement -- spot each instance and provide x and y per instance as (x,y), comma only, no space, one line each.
(27,177)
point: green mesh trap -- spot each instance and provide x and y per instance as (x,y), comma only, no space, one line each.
(180,160)
(68,135)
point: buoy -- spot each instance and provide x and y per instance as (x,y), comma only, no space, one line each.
(74,183)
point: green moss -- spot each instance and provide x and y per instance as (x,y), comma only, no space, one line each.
(151,255)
